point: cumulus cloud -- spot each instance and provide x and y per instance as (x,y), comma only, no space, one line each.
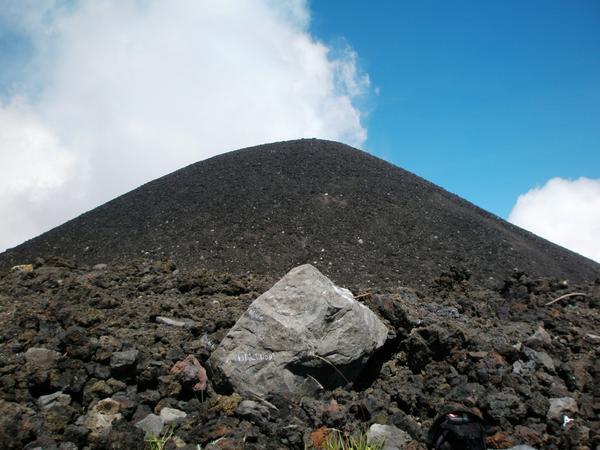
(34,168)
(566,212)
(123,91)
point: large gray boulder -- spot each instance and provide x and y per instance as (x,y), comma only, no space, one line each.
(302,335)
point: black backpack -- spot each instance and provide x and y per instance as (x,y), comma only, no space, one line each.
(457,430)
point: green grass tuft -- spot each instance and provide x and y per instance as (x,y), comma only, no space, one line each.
(159,442)
(340,441)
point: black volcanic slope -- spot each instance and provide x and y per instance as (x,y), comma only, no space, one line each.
(266,209)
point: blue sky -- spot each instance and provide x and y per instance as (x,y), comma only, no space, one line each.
(486,99)
(497,102)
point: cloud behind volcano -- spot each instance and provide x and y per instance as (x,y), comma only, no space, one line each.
(120,92)
(564,211)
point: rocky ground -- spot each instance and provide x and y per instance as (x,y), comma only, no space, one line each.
(89,352)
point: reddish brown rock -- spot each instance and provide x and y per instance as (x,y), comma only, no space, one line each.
(526,435)
(190,372)
(500,440)
(319,436)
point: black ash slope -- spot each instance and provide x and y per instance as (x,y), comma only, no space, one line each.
(268,208)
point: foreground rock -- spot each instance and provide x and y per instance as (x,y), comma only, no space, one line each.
(101,416)
(303,335)
(389,436)
(190,373)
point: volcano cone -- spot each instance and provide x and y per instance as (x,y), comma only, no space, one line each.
(269,208)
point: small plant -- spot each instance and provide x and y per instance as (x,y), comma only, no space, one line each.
(340,441)
(159,442)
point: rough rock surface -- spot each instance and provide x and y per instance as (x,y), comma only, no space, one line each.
(451,342)
(48,401)
(560,406)
(302,335)
(190,373)
(390,436)
(151,425)
(168,415)
(101,416)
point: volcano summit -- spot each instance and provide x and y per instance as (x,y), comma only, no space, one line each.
(269,208)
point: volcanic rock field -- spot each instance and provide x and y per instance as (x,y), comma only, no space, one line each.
(163,313)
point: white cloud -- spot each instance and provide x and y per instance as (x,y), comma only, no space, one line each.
(39,177)
(566,212)
(124,91)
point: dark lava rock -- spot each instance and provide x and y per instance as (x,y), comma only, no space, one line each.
(505,405)
(15,426)
(77,343)
(253,411)
(123,362)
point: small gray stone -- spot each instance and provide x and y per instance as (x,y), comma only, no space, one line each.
(506,404)
(47,401)
(521,447)
(150,396)
(558,406)
(124,359)
(594,338)
(540,338)
(172,322)
(524,368)
(207,342)
(255,412)
(541,358)
(188,324)
(393,438)
(169,415)
(152,425)
(41,356)
(100,267)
